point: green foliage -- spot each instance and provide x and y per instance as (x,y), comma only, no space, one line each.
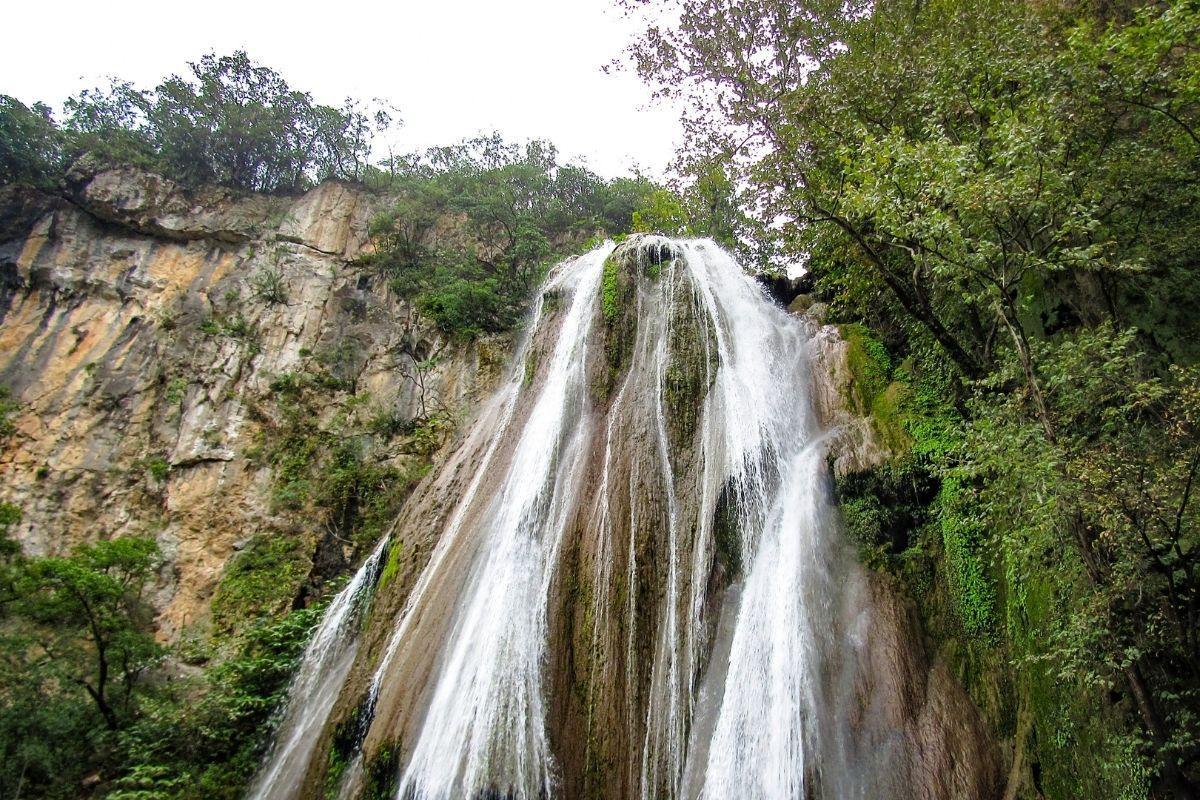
(883,508)
(468,306)
(269,287)
(205,737)
(705,207)
(661,212)
(521,211)
(8,407)
(156,466)
(233,325)
(75,648)
(93,600)
(30,144)
(964,539)
(331,469)
(259,581)
(176,390)
(229,121)
(383,773)
(9,515)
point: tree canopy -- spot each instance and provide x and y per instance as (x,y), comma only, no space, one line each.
(229,120)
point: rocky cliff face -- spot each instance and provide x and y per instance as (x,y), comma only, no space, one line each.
(144,331)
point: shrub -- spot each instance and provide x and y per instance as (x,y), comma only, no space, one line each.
(269,287)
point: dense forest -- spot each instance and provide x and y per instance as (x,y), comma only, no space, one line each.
(998,201)
(995,201)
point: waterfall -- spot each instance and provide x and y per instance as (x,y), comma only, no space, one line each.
(316,685)
(637,587)
(775,724)
(485,725)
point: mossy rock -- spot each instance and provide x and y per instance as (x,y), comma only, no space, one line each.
(347,739)
(691,367)
(391,567)
(872,392)
(382,773)
(618,308)
(727,536)
(262,580)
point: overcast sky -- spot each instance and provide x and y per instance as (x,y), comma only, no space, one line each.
(528,68)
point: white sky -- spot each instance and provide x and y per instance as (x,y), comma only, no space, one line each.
(528,68)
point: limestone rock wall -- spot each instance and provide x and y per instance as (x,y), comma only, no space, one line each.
(141,326)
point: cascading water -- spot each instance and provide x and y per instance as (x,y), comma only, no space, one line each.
(765,724)
(637,589)
(316,685)
(485,726)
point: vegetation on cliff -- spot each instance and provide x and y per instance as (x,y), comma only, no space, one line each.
(518,210)
(1003,198)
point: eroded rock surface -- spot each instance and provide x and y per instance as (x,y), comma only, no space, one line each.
(141,328)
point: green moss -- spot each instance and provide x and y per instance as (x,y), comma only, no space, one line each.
(531,365)
(687,376)
(346,741)
(259,581)
(382,773)
(869,364)
(617,294)
(889,416)
(873,393)
(391,566)
(610,290)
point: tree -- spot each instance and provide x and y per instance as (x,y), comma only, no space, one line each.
(98,626)
(230,121)
(30,145)
(519,209)
(661,212)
